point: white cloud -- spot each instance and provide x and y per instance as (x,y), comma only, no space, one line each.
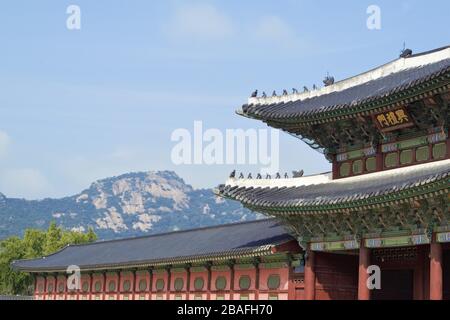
(274,29)
(24,183)
(4,143)
(200,22)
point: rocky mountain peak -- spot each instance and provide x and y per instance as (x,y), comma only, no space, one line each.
(126,205)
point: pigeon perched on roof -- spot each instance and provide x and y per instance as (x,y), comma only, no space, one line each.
(268,176)
(285,93)
(249,176)
(286,176)
(264,95)
(274,93)
(278,176)
(294,91)
(233,174)
(328,81)
(406,53)
(255,94)
(305,89)
(258,176)
(241,176)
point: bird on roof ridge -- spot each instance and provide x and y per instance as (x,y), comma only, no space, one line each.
(254,94)
(233,174)
(274,93)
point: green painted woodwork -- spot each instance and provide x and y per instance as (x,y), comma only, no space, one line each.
(198,297)
(220,268)
(178,297)
(344,169)
(178,270)
(391,160)
(221,283)
(141,272)
(244,282)
(126,285)
(357,167)
(406,156)
(178,284)
(244,297)
(98,286)
(439,151)
(443,237)
(61,287)
(273,297)
(50,288)
(41,288)
(422,153)
(112,286)
(198,269)
(160,284)
(142,285)
(273,281)
(199,283)
(220,297)
(85,286)
(355,154)
(371,164)
(405,144)
(273,265)
(399,241)
(244,266)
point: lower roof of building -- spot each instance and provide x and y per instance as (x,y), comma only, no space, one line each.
(230,241)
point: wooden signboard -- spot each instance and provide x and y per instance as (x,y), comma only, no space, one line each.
(393,120)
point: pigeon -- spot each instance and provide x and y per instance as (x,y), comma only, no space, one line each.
(258,176)
(328,81)
(294,91)
(286,176)
(274,93)
(406,53)
(298,174)
(264,95)
(233,174)
(255,94)
(314,87)
(305,89)
(268,176)
(249,176)
(285,93)
(241,176)
(278,176)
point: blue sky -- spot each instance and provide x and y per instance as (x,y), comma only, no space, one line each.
(80,105)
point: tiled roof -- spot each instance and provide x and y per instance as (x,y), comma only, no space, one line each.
(374,85)
(339,192)
(256,238)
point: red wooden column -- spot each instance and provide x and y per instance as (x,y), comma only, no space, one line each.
(310,276)
(435,271)
(363,276)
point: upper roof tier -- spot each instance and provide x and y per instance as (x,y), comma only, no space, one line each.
(232,241)
(361,93)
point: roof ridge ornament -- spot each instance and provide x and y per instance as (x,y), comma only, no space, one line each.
(405,52)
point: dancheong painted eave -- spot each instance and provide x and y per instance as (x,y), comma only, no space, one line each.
(396,82)
(321,193)
(232,241)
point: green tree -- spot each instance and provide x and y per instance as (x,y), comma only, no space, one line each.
(35,243)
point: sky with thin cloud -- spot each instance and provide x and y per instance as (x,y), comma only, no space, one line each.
(80,105)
